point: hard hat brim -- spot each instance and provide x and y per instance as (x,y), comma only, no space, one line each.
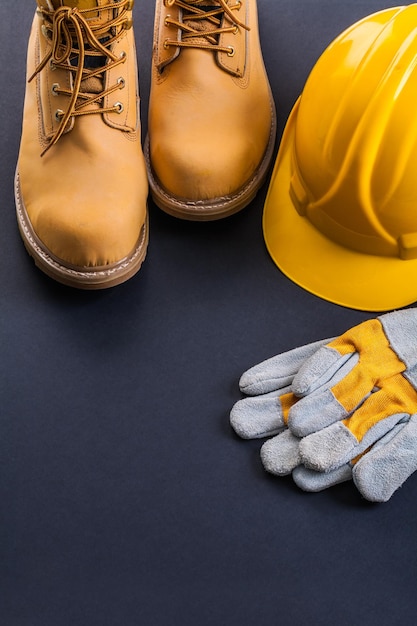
(321,266)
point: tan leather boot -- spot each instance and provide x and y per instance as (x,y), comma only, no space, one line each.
(81,182)
(211,115)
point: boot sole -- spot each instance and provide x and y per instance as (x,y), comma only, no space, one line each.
(216,208)
(80,277)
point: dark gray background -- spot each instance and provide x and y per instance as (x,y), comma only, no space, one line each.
(125,498)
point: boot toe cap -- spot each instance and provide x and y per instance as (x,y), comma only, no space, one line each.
(87,241)
(203,170)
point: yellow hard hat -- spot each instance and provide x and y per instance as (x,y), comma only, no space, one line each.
(340,217)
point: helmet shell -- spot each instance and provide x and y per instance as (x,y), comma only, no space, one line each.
(344,187)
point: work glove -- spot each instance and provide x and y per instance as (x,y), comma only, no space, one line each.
(352,392)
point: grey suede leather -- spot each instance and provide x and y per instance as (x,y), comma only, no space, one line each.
(281,459)
(278,371)
(335,446)
(379,472)
(400,328)
(309,480)
(389,463)
(259,416)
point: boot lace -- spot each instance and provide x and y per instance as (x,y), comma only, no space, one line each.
(84,50)
(203,22)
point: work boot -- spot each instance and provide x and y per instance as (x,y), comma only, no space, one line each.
(212,120)
(81,183)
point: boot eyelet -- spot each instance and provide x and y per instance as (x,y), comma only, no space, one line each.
(127,25)
(118,107)
(130,4)
(46,32)
(123,55)
(52,65)
(54,89)
(59,113)
(231,52)
(236,30)
(169,3)
(166,44)
(166,21)
(121,82)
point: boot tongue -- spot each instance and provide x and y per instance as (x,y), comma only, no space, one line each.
(202,25)
(80,4)
(83,5)
(92,84)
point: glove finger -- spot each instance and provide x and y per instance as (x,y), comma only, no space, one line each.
(260,416)
(280,455)
(278,371)
(337,445)
(315,412)
(325,367)
(350,387)
(382,470)
(309,480)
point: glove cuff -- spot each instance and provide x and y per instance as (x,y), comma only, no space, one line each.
(400,327)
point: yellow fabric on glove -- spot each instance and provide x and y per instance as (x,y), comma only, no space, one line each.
(399,397)
(377,362)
